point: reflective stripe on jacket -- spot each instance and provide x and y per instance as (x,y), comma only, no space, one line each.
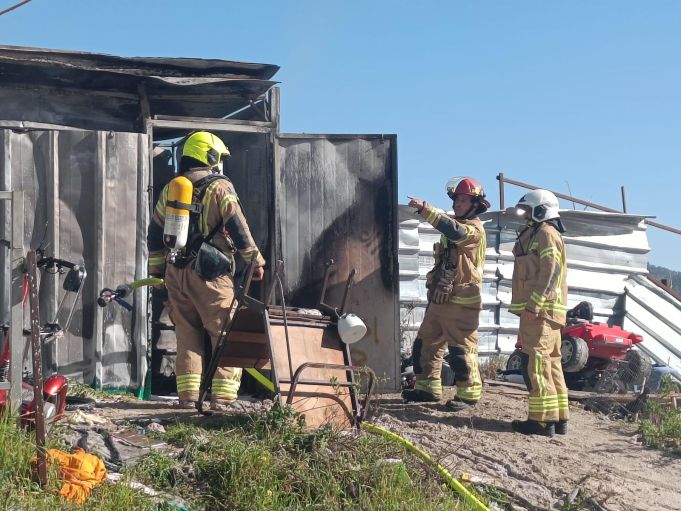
(464,243)
(540,273)
(220,203)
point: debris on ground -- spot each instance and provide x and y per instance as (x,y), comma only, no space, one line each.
(600,464)
(597,455)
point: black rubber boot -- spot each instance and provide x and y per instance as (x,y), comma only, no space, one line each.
(419,395)
(458,404)
(561,427)
(530,427)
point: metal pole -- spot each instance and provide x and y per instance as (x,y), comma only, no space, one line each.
(663,227)
(563,196)
(591,205)
(500,177)
(624,200)
(36,351)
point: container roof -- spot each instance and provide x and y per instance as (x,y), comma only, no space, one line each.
(58,87)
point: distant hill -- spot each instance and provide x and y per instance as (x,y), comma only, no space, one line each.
(673,277)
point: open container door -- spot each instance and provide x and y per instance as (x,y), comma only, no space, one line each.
(336,198)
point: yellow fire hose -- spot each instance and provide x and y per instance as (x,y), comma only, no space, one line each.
(260,378)
(468,497)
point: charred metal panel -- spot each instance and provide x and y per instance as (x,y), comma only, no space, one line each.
(104,92)
(250,169)
(336,197)
(137,66)
(86,198)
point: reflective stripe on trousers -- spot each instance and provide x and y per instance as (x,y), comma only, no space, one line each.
(548,393)
(197,306)
(452,325)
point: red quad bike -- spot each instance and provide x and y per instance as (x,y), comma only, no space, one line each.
(595,356)
(55,386)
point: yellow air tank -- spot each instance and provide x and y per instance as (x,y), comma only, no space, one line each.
(176,227)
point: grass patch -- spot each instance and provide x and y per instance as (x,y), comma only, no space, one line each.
(260,462)
(271,462)
(20,490)
(661,425)
(77,389)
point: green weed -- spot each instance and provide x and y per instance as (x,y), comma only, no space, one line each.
(661,425)
(273,462)
(21,491)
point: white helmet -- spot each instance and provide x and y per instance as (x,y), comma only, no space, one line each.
(541,205)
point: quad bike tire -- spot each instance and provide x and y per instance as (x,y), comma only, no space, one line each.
(515,362)
(636,368)
(574,353)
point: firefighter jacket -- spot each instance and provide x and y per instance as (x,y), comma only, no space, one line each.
(540,273)
(462,249)
(220,204)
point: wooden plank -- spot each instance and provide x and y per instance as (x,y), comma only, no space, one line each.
(248,337)
(320,404)
(308,341)
(242,361)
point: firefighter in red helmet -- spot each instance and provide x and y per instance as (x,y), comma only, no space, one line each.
(454,297)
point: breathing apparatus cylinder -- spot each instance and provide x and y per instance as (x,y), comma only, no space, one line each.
(176,227)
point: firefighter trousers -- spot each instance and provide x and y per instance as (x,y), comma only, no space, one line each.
(448,325)
(542,370)
(196,305)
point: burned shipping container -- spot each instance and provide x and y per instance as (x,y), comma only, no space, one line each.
(90,139)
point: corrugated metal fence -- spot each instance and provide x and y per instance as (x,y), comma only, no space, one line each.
(607,254)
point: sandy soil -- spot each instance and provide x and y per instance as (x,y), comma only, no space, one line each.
(599,456)
(602,457)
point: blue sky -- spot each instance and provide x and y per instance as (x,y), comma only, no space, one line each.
(582,96)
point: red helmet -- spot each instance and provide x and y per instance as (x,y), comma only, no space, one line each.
(468,186)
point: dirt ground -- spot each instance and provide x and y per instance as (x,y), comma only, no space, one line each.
(601,457)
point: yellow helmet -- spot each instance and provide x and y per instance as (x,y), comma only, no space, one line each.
(206,148)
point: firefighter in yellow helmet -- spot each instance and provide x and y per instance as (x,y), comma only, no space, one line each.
(454,298)
(540,299)
(199,279)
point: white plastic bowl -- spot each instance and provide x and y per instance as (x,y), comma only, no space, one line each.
(351,328)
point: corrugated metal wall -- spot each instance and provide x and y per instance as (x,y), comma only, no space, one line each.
(85,201)
(603,250)
(336,199)
(656,315)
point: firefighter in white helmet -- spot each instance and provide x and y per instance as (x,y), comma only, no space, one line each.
(198,275)
(540,299)
(454,296)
